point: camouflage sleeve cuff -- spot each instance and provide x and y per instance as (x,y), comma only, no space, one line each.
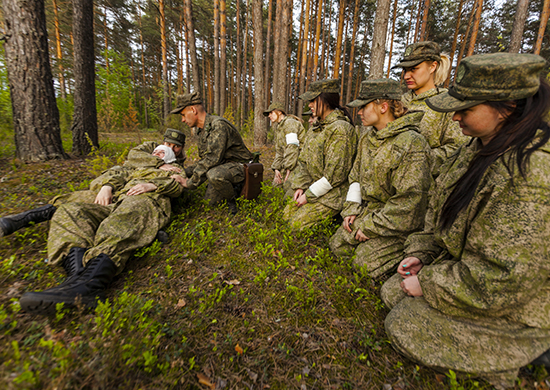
(311,198)
(350,208)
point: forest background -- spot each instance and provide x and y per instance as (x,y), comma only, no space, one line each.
(230,302)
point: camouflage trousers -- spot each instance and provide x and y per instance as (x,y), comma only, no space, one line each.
(115,230)
(221,180)
(489,348)
(308,215)
(377,255)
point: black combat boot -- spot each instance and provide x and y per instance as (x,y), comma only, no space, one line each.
(85,287)
(72,263)
(12,223)
(543,360)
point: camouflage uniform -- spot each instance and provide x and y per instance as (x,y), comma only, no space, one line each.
(328,152)
(393,169)
(443,134)
(222,153)
(129,223)
(485,308)
(286,154)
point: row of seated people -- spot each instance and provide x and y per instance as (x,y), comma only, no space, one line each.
(465,223)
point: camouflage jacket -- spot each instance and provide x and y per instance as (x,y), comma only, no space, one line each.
(122,179)
(329,151)
(286,155)
(493,261)
(140,157)
(393,169)
(219,143)
(442,133)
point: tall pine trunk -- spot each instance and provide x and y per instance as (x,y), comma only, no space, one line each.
(304,54)
(379,39)
(223,56)
(165,85)
(84,125)
(35,113)
(352,50)
(542,27)
(339,36)
(519,24)
(475,28)
(217,57)
(192,45)
(455,38)
(260,128)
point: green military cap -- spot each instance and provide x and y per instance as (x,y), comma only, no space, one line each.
(493,77)
(419,52)
(377,89)
(174,137)
(318,87)
(189,99)
(307,113)
(275,106)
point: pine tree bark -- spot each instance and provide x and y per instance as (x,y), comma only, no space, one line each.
(304,54)
(84,125)
(542,28)
(378,49)
(192,45)
(425,13)
(280,61)
(260,129)
(267,84)
(465,36)
(223,56)
(59,53)
(238,66)
(35,113)
(317,40)
(339,37)
(475,28)
(165,84)
(216,56)
(392,36)
(352,50)
(519,24)
(244,107)
(455,38)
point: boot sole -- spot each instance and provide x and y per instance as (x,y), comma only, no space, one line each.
(39,303)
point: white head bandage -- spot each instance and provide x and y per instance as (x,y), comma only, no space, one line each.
(354,193)
(292,138)
(169,156)
(320,187)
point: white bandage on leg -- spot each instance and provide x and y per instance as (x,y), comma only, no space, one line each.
(320,187)
(292,138)
(354,193)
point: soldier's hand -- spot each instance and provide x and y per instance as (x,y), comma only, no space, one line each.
(348,221)
(141,189)
(181,180)
(170,168)
(410,266)
(302,200)
(104,196)
(360,236)
(411,286)
(297,194)
(278,179)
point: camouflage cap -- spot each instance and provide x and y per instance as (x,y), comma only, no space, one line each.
(307,113)
(189,99)
(275,106)
(377,89)
(318,87)
(174,137)
(492,77)
(419,52)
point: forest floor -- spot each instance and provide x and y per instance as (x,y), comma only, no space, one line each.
(231,302)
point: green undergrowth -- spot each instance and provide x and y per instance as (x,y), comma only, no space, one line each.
(230,302)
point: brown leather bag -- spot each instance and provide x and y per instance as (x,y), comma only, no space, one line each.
(254,175)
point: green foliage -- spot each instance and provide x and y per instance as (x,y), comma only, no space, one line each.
(228,114)
(7,146)
(248,125)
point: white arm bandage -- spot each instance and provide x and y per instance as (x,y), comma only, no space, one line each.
(292,138)
(354,193)
(320,187)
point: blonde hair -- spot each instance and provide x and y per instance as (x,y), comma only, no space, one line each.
(442,70)
(397,108)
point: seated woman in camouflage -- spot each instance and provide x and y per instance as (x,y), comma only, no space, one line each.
(289,138)
(473,292)
(389,181)
(93,241)
(320,180)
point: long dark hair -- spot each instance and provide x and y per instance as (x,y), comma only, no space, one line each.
(523,118)
(332,100)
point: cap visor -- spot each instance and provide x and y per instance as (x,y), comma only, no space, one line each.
(446,103)
(266,113)
(359,103)
(309,96)
(407,64)
(177,110)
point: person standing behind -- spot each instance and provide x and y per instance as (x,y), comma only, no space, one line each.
(222,152)
(389,181)
(424,68)
(289,138)
(320,180)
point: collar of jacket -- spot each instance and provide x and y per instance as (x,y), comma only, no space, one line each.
(336,115)
(405,123)
(411,96)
